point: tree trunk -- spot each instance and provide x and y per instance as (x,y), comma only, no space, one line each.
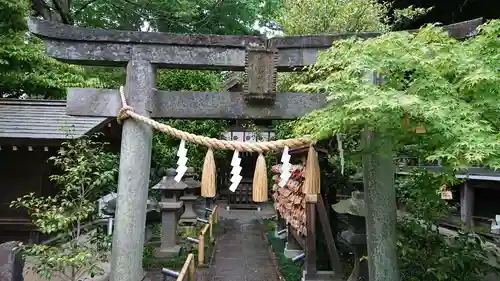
(53,10)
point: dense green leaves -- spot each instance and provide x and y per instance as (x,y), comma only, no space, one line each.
(450,87)
(302,17)
(24,66)
(185,16)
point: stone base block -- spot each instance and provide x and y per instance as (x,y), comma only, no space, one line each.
(167,252)
(186,228)
(291,253)
(189,221)
(321,276)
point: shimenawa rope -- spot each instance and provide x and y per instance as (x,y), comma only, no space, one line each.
(127,111)
(209,174)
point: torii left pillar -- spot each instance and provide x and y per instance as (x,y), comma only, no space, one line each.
(133,180)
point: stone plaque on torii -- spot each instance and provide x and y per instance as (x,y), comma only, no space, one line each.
(142,53)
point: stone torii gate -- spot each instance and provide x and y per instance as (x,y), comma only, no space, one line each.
(143,52)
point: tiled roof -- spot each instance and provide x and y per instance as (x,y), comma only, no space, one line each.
(42,119)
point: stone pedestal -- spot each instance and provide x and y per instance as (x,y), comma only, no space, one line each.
(292,247)
(321,276)
(358,242)
(355,211)
(169,245)
(189,216)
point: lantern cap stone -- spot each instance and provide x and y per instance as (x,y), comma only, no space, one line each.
(168,183)
(170,172)
(354,206)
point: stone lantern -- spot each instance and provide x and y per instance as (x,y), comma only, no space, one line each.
(189,198)
(169,208)
(355,210)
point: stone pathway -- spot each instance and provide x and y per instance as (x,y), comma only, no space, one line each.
(241,252)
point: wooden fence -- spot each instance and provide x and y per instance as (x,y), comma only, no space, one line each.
(188,270)
(212,220)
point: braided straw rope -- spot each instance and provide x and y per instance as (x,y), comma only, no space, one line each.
(128,112)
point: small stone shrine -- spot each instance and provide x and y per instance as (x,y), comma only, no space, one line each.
(189,198)
(170,207)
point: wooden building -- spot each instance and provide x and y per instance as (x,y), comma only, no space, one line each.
(477,197)
(31,131)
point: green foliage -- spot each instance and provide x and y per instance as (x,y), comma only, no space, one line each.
(12,15)
(185,16)
(87,170)
(427,255)
(420,193)
(152,262)
(450,87)
(300,17)
(71,261)
(188,80)
(24,66)
(424,253)
(303,17)
(291,271)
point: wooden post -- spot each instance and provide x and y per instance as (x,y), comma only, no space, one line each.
(191,271)
(210,221)
(327,232)
(310,259)
(201,249)
(133,179)
(467,205)
(188,268)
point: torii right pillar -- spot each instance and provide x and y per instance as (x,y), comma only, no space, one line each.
(380,200)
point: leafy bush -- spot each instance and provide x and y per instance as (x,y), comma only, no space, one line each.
(86,171)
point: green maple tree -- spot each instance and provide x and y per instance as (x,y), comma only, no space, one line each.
(449,87)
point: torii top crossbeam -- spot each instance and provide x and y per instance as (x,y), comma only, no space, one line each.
(259,57)
(112,47)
